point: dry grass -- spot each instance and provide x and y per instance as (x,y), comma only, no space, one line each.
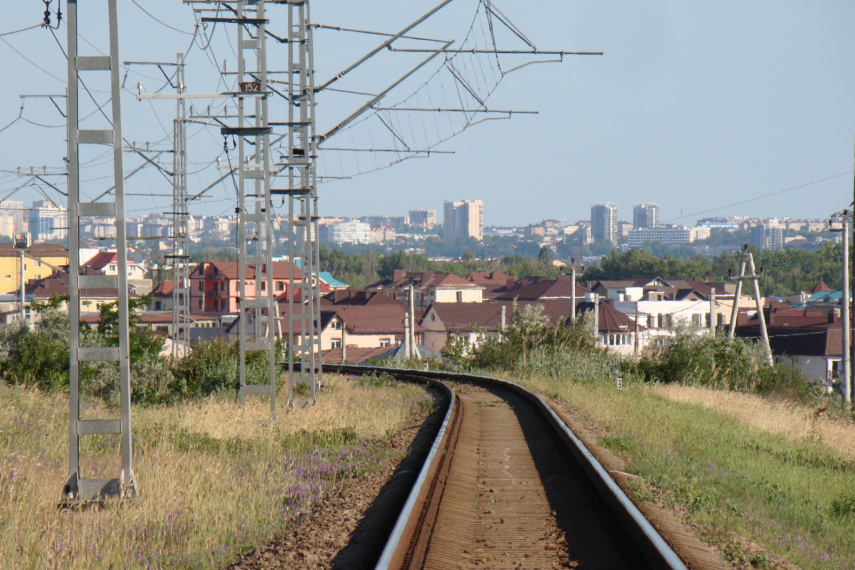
(796,422)
(213,480)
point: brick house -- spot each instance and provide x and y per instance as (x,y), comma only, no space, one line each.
(214,285)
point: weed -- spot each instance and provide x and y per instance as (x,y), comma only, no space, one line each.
(843,506)
(622,444)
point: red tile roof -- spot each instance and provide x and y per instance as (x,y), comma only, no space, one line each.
(58,285)
(229,270)
(104,258)
(379,319)
(35,250)
(541,288)
(820,287)
(163,290)
(799,336)
(357,297)
(422,280)
(468,317)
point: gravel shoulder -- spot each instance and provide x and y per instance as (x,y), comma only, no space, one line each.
(343,529)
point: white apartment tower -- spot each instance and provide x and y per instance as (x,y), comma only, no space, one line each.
(463,219)
(645,216)
(604,224)
(48,222)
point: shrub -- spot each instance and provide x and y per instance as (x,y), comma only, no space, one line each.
(209,368)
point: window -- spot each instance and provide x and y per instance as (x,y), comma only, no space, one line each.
(8,277)
(696,319)
(38,276)
(335,325)
(336,343)
(384,342)
(201,287)
(460,296)
(222,286)
(200,303)
(264,285)
(280,286)
(37,263)
(157,305)
(223,304)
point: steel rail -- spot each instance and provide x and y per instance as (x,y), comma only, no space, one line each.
(657,551)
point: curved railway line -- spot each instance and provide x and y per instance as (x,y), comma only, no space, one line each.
(506,484)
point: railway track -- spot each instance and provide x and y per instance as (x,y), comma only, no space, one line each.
(506,484)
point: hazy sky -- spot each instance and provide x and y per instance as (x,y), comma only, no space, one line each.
(695,106)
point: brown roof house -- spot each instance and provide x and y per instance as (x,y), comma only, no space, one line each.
(214,285)
(475,322)
(429,287)
(809,340)
(540,289)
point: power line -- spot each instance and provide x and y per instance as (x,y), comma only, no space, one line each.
(147,13)
(763,196)
(19,31)
(31,61)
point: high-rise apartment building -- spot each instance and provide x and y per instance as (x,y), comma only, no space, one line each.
(12,218)
(767,238)
(48,222)
(604,226)
(425,219)
(463,219)
(645,216)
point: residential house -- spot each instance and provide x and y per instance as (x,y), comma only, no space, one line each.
(49,258)
(90,299)
(161,296)
(364,326)
(540,289)
(475,322)
(107,263)
(491,281)
(809,340)
(377,325)
(214,285)
(660,305)
(358,297)
(429,287)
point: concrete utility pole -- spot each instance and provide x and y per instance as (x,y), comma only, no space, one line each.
(78,490)
(748,259)
(414,349)
(713,315)
(573,268)
(572,291)
(22,243)
(735,309)
(596,324)
(407,346)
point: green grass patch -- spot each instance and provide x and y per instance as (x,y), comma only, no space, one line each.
(793,499)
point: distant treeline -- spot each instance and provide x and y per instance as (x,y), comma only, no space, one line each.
(784,272)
